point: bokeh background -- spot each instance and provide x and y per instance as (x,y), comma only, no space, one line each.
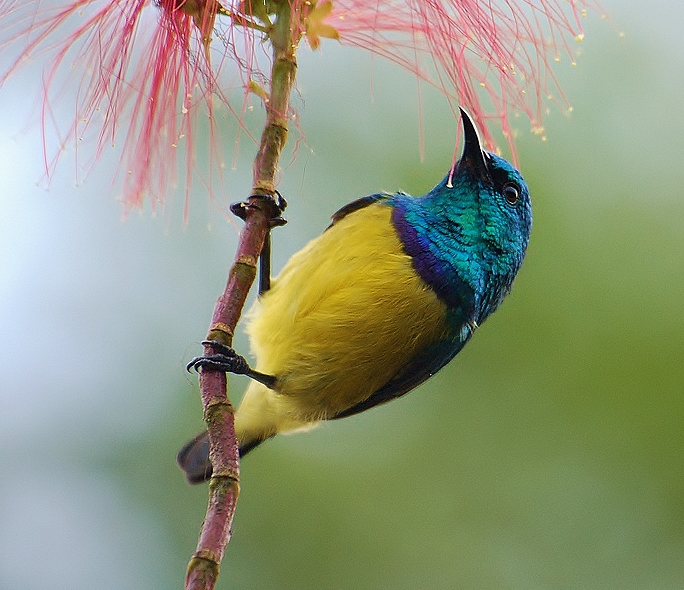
(549,455)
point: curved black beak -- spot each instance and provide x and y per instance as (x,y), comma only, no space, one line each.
(473,157)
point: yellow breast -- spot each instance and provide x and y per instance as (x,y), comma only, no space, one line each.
(345,315)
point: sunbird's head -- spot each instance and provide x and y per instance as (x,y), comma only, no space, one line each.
(501,195)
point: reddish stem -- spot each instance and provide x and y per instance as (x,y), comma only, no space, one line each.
(224,487)
(260,212)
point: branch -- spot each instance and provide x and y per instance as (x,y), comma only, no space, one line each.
(260,213)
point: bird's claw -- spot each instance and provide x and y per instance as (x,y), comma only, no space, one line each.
(227,360)
(274,203)
(224,359)
(220,362)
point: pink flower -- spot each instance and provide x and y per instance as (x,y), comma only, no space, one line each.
(491,57)
(144,74)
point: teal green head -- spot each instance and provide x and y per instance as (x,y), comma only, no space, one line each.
(469,234)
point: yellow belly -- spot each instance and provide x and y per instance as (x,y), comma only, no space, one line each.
(346,313)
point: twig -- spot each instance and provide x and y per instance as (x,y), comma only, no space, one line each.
(260,213)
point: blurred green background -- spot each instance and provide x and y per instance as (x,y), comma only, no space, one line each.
(548,455)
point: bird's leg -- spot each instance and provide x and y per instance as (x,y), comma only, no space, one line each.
(224,357)
(265,265)
(276,204)
(229,361)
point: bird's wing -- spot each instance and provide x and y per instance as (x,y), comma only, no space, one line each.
(417,370)
(356,205)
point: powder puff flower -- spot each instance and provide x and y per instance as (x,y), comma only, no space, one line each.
(148,72)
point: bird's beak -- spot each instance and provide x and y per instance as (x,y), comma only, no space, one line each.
(473,158)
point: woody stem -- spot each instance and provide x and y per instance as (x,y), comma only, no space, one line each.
(259,212)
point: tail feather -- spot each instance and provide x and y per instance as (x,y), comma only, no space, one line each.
(193,458)
(260,416)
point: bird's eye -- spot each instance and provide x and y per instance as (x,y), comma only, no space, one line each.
(511,193)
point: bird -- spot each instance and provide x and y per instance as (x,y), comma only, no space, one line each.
(384,298)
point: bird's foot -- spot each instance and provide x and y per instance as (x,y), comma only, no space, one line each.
(224,359)
(274,204)
(227,360)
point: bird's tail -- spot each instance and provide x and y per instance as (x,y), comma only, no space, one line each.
(255,421)
(261,415)
(193,458)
